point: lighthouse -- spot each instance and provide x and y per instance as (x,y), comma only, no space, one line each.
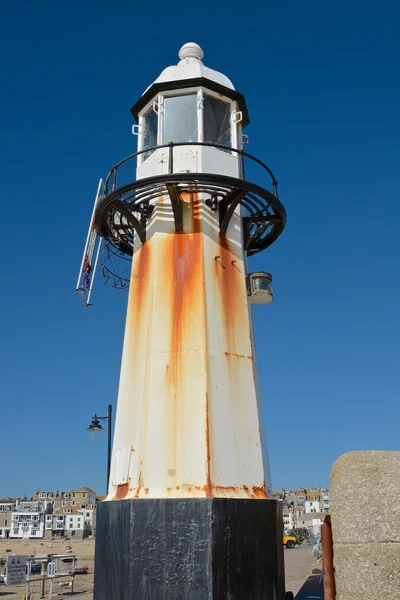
(189,512)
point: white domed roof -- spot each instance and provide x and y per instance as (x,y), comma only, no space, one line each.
(190,66)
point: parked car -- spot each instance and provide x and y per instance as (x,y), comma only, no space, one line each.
(290,541)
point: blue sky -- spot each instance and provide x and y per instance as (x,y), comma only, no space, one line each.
(322,87)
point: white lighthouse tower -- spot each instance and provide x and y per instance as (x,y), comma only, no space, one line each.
(189,512)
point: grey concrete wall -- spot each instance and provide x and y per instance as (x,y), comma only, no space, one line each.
(365,513)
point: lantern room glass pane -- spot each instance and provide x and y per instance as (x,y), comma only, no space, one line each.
(217,121)
(180,119)
(150,122)
(262,283)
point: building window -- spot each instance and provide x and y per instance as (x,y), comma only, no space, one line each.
(180,119)
(73,502)
(83,505)
(150,124)
(217,121)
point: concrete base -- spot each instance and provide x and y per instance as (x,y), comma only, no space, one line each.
(189,549)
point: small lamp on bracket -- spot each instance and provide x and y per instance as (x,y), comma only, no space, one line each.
(259,288)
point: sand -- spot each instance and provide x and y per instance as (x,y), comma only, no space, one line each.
(83,584)
(298,563)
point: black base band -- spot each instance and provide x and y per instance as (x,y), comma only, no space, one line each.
(189,549)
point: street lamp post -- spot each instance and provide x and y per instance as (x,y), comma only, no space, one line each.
(292,504)
(96,427)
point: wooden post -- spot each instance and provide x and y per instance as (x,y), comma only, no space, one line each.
(327,559)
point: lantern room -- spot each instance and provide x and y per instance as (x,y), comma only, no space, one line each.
(189,129)
(198,111)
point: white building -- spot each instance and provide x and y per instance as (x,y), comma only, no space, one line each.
(312,507)
(312,522)
(7,505)
(326,506)
(288,522)
(27,520)
(74,523)
(67,521)
(88,517)
(54,525)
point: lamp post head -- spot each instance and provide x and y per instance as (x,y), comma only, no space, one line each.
(95,426)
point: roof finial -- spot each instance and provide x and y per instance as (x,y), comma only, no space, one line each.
(190,52)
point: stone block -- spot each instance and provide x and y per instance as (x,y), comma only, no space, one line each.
(367,571)
(365,497)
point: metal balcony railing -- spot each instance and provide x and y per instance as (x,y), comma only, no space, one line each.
(111,182)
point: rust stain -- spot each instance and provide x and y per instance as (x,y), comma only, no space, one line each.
(220,491)
(225,489)
(208,487)
(235,355)
(196,214)
(141,274)
(122,491)
(259,492)
(254,492)
(231,290)
(146,491)
(182,267)
(217,259)
(139,486)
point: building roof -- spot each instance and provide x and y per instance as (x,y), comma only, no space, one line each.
(190,72)
(85,489)
(191,66)
(312,516)
(72,511)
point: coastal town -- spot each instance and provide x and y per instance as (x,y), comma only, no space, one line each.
(50,514)
(56,514)
(63,523)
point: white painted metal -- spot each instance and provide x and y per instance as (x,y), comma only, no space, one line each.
(92,248)
(190,66)
(237,117)
(123,463)
(189,412)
